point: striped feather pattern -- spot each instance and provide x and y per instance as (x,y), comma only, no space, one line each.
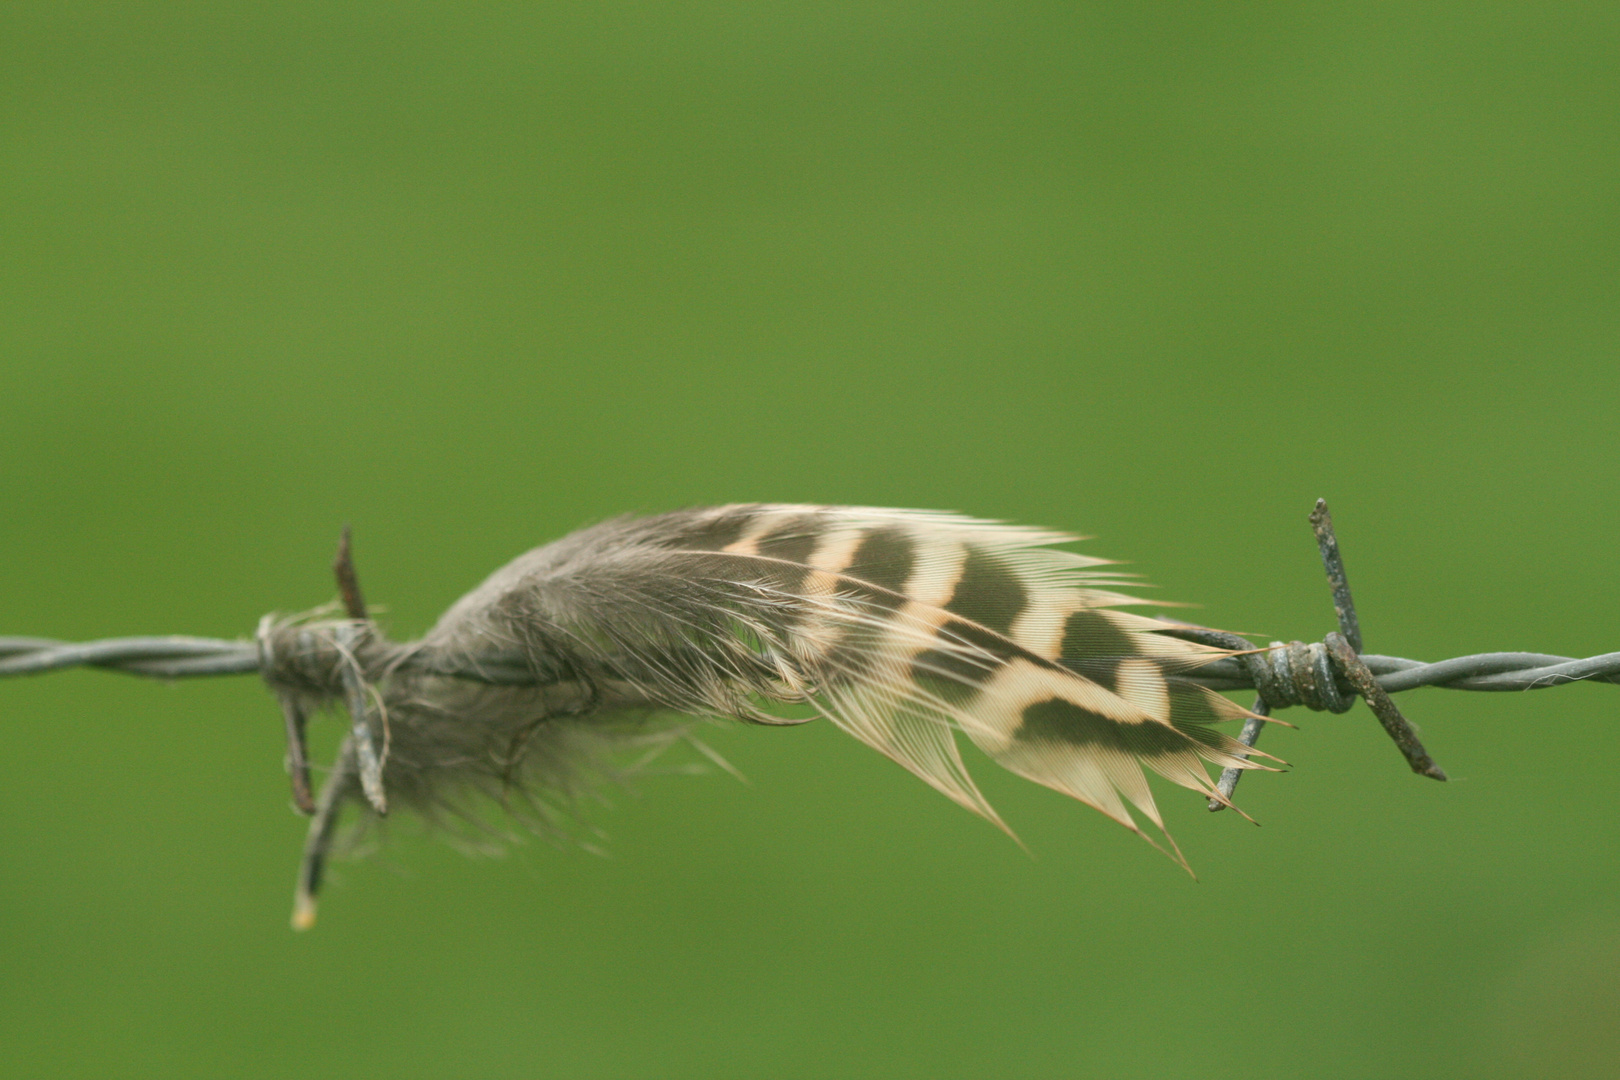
(902,627)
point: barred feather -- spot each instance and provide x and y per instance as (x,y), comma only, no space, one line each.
(901,627)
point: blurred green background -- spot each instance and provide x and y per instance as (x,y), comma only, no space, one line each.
(470,276)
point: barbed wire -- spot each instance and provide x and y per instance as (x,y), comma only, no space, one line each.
(183,657)
(1327,676)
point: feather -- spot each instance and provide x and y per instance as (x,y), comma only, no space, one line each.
(904,628)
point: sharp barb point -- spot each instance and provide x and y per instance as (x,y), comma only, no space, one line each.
(348,581)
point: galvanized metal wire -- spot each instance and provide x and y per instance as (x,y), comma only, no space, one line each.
(179,657)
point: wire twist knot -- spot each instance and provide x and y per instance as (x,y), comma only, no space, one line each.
(1295,673)
(306,657)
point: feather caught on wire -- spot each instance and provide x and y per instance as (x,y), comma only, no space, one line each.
(904,628)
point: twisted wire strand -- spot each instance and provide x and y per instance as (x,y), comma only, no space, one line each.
(180,657)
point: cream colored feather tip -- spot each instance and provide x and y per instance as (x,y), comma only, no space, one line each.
(904,628)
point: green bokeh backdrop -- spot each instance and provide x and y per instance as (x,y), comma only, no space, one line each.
(469,276)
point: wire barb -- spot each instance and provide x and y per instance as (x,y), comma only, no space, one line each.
(1383,707)
(1294,673)
(357,697)
(1343,606)
(318,842)
(1248,737)
(348,582)
(297,754)
(355,691)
